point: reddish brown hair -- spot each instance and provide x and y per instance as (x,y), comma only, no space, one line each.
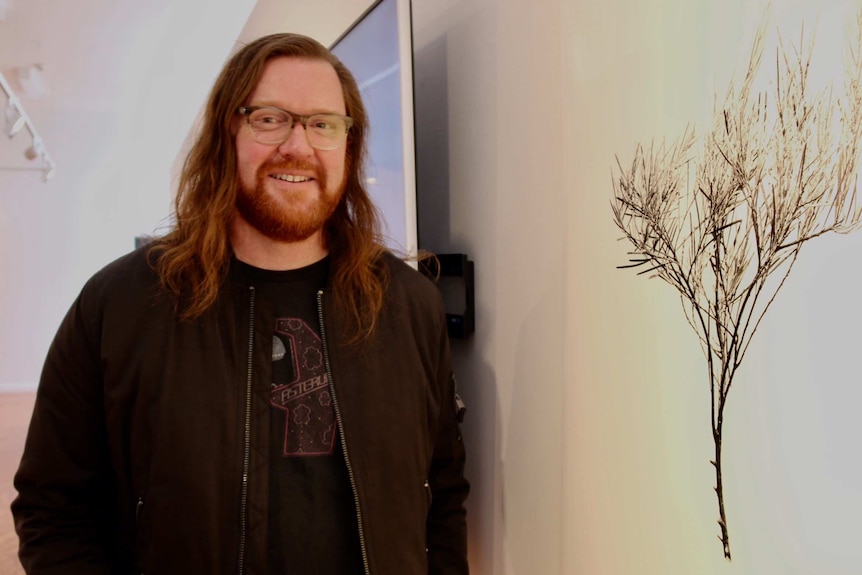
(192,260)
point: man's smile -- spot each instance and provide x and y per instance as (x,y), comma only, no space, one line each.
(291,178)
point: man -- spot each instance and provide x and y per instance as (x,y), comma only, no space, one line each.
(265,389)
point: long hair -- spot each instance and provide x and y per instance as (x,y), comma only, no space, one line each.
(192,260)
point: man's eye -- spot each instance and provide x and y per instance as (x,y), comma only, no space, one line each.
(323,125)
(270,120)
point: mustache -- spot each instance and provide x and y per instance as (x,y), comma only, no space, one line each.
(289,164)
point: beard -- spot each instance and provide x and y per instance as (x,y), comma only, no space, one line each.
(287,217)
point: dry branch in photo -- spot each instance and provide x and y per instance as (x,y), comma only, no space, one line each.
(777,169)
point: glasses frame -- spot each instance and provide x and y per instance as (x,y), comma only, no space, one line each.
(303,119)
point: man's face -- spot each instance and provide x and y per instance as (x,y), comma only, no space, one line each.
(288,191)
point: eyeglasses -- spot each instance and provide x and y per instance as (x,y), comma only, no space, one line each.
(273,126)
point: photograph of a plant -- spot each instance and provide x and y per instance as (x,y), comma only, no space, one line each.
(777,169)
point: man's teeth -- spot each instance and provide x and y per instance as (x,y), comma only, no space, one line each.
(291,178)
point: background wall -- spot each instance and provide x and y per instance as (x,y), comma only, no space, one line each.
(589,403)
(125,78)
(588,423)
(639,482)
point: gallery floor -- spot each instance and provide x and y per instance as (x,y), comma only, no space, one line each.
(15,410)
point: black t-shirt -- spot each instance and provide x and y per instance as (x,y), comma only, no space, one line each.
(312,514)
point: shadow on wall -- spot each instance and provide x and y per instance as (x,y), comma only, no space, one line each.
(477,382)
(477,385)
(430,95)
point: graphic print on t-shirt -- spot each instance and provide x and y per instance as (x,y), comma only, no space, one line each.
(300,388)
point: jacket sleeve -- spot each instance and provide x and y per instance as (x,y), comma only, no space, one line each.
(64,483)
(446,524)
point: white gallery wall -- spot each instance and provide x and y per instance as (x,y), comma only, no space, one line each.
(588,423)
(126,79)
(639,493)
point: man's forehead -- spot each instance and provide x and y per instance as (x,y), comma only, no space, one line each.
(292,81)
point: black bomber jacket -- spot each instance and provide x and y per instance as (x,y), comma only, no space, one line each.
(148,447)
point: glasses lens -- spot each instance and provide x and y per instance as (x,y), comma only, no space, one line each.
(326,131)
(270,126)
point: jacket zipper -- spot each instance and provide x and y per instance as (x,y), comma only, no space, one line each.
(243,504)
(341,434)
(138,508)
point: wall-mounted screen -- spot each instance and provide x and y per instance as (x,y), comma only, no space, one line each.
(378,50)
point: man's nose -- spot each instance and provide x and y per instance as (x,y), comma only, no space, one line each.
(296,144)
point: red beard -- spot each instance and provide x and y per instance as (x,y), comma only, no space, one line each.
(284,219)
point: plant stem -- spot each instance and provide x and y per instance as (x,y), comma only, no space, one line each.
(719,491)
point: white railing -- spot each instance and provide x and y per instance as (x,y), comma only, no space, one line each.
(15,120)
